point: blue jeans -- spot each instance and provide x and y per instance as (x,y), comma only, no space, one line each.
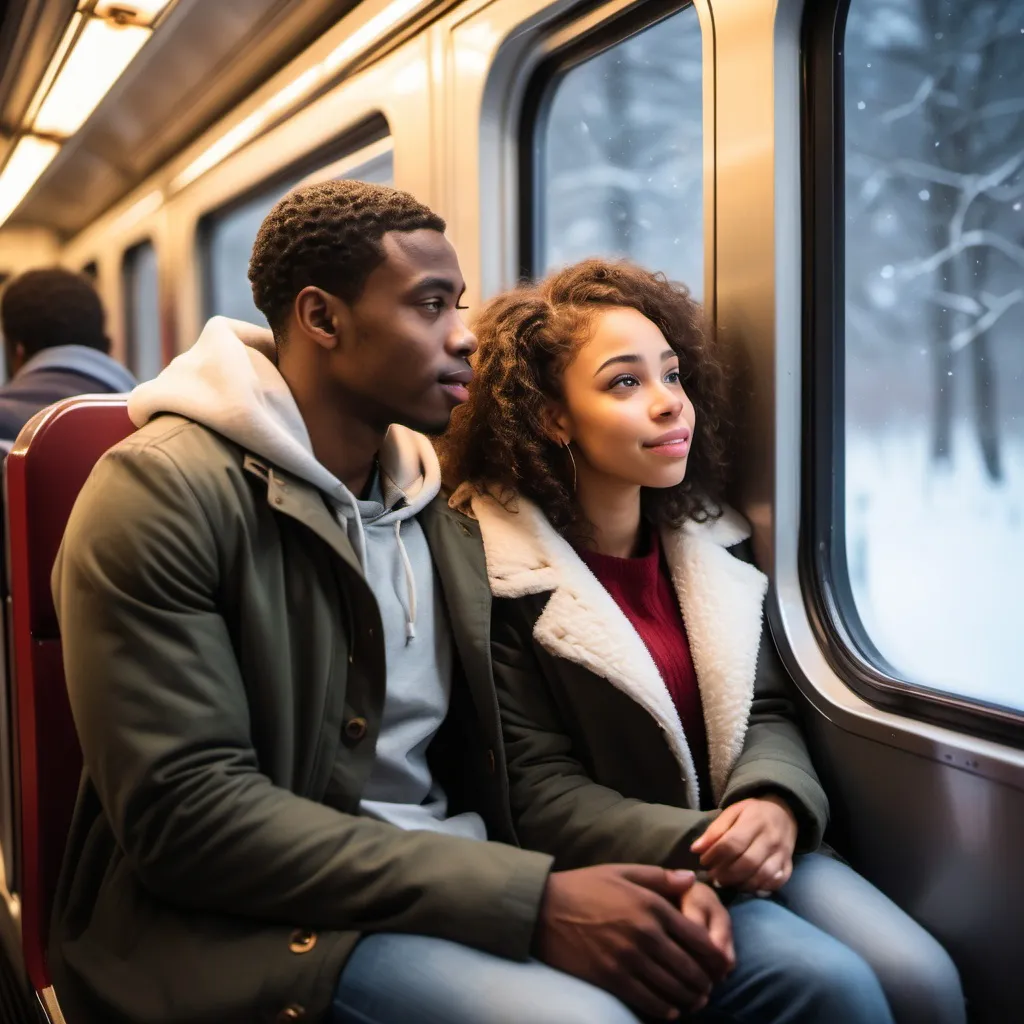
(828,949)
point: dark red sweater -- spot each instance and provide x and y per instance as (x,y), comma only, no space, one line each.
(642,588)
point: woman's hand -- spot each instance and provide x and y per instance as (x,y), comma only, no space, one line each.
(750,845)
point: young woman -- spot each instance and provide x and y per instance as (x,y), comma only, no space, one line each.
(646,714)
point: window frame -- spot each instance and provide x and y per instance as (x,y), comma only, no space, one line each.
(557,61)
(128,303)
(822,554)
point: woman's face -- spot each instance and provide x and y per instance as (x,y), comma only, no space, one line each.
(625,411)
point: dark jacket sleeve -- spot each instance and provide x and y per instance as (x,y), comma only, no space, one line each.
(775,756)
(558,807)
(162,714)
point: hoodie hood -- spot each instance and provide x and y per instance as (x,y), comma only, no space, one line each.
(229,382)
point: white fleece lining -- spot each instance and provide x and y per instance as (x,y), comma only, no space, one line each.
(721,598)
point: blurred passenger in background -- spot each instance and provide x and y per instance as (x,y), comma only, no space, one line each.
(55,346)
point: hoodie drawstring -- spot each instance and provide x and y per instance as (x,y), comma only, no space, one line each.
(410,585)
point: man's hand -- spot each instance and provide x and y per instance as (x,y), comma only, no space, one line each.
(750,845)
(702,906)
(619,927)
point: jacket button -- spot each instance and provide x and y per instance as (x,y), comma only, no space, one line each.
(490,762)
(291,1013)
(355,728)
(302,940)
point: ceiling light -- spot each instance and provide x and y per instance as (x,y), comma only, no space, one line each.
(98,58)
(56,61)
(30,158)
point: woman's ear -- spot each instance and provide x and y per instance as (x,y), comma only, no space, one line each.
(556,423)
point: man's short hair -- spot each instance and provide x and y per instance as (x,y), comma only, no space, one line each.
(328,235)
(43,308)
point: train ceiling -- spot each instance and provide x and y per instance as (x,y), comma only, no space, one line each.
(205,57)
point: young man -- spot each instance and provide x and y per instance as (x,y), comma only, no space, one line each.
(276,637)
(55,346)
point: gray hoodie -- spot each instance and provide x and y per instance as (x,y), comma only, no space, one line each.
(228,381)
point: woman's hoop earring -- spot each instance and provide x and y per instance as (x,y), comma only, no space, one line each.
(565,445)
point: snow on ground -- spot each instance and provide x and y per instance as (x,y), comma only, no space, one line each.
(936,560)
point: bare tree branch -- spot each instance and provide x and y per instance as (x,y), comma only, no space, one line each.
(964,337)
(968,240)
(924,91)
(961,303)
(979,183)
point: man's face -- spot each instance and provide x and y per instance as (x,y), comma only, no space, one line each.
(406,360)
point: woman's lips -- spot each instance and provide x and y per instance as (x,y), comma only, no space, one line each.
(674,444)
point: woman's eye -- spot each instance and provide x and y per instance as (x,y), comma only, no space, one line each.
(672,377)
(433,305)
(626,380)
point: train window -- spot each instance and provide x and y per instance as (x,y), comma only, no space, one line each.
(374,163)
(230,234)
(229,239)
(933,386)
(620,154)
(142,311)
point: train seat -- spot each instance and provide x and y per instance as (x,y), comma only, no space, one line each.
(45,470)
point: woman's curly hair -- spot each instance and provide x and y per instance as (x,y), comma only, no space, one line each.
(499,442)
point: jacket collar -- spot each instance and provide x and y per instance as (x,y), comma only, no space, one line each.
(721,598)
(457,555)
(300,500)
(459,560)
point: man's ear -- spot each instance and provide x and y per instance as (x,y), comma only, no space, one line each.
(321,316)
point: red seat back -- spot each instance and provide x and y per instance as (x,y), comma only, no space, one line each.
(45,470)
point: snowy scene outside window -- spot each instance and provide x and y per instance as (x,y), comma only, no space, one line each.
(934,341)
(622,164)
(934,235)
